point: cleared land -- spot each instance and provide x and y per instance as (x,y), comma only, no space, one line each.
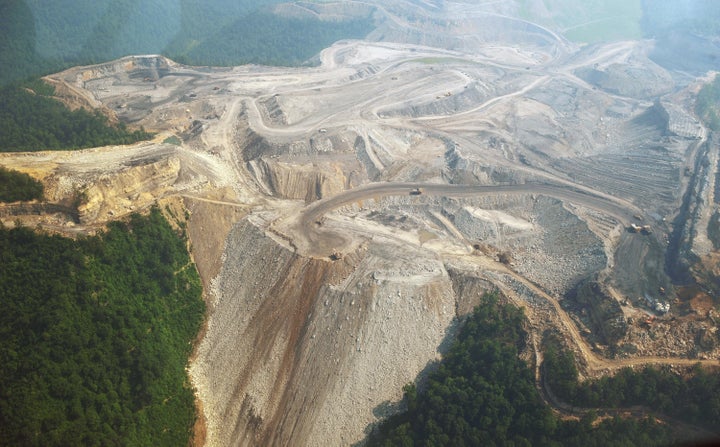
(331,280)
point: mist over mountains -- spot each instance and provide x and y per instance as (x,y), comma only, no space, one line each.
(38,37)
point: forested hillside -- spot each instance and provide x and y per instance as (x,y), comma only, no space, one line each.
(31,120)
(483,394)
(708,104)
(95,334)
(17,186)
(694,398)
(264,38)
(42,37)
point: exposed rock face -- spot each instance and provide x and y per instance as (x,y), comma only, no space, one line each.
(605,312)
(689,240)
(29,208)
(462,169)
(252,145)
(135,187)
(518,225)
(677,121)
(295,346)
(293,181)
(468,289)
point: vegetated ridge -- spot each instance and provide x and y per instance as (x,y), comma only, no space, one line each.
(95,336)
(686,397)
(43,37)
(708,104)
(32,120)
(18,186)
(482,393)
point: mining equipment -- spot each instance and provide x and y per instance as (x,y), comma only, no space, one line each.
(648,321)
(644,229)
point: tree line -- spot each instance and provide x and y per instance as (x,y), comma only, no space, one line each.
(707,105)
(266,38)
(95,334)
(42,37)
(17,186)
(482,394)
(31,120)
(693,398)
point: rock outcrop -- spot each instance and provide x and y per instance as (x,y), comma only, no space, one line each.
(606,316)
(136,187)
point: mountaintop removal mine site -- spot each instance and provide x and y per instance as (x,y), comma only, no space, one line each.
(344,217)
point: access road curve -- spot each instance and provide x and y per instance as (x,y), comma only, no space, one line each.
(621,211)
(316,210)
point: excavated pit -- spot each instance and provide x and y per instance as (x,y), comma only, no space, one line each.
(315,324)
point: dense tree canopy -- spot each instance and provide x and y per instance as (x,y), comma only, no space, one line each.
(16,186)
(708,104)
(31,121)
(265,38)
(95,334)
(694,399)
(482,394)
(43,37)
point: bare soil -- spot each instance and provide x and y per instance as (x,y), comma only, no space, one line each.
(331,279)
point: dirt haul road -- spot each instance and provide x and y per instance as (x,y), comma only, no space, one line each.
(311,238)
(314,232)
(523,144)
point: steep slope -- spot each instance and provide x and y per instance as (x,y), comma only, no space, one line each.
(305,338)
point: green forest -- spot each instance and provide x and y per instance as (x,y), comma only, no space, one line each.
(265,38)
(95,334)
(694,399)
(44,37)
(40,37)
(482,394)
(17,186)
(708,104)
(31,120)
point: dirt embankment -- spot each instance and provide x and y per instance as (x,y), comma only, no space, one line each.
(302,349)
(296,346)
(293,181)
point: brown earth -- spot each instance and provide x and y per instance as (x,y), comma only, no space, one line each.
(344,217)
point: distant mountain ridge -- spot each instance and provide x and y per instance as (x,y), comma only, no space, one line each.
(38,37)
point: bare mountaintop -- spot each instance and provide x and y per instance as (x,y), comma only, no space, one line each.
(343,217)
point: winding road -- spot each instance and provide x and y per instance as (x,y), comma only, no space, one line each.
(313,232)
(316,210)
